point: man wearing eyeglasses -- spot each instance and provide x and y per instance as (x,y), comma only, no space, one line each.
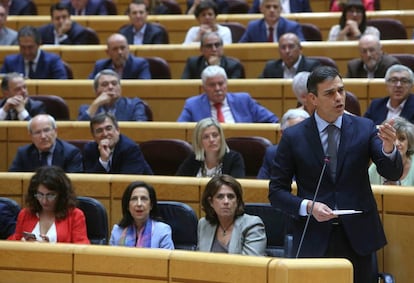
(46,149)
(16,104)
(107,86)
(373,62)
(212,53)
(399,102)
(112,152)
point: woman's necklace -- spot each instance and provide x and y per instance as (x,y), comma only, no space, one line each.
(224,231)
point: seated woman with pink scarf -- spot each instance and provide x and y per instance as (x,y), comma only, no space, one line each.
(140,226)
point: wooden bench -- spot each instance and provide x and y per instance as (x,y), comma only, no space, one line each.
(178,25)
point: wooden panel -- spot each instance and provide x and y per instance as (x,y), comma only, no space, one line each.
(204,267)
(314,270)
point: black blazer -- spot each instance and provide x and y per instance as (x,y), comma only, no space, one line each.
(233,165)
(76,35)
(274,68)
(153,34)
(65,155)
(196,64)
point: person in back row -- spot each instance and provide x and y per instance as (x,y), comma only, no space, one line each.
(8,36)
(86,7)
(33,62)
(46,149)
(272,26)
(291,59)
(112,152)
(121,61)
(108,91)
(373,63)
(139,31)
(211,155)
(226,107)
(62,30)
(212,53)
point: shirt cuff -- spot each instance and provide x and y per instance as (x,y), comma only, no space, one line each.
(104,164)
(303,211)
(23,115)
(3,114)
(391,155)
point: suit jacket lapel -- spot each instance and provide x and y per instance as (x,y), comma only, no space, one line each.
(347,135)
(312,136)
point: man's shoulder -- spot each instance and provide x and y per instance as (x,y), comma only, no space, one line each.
(138,60)
(45,28)
(66,145)
(153,28)
(126,141)
(49,56)
(255,23)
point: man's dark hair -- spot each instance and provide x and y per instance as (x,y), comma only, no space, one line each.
(319,75)
(100,118)
(138,2)
(59,7)
(31,32)
(7,78)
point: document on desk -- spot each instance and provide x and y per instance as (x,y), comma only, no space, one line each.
(346,211)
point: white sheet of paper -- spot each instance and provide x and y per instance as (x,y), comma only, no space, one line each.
(346,211)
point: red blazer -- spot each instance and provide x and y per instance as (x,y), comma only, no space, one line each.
(72,229)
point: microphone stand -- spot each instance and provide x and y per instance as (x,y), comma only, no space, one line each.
(326,161)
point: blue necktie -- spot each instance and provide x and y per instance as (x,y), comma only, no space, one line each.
(31,72)
(332,149)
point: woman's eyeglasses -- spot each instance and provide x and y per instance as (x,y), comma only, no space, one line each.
(49,196)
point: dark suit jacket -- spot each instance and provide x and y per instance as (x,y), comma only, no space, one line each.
(243,107)
(296,6)
(153,34)
(196,64)
(266,168)
(76,35)
(126,109)
(135,68)
(356,67)
(256,30)
(34,107)
(65,155)
(127,158)
(377,111)
(49,66)
(94,7)
(22,7)
(300,154)
(274,68)
(233,165)
(7,221)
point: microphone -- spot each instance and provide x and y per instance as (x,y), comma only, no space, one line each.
(325,163)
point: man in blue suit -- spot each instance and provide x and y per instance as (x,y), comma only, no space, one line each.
(400,102)
(121,61)
(108,92)
(224,106)
(352,142)
(46,149)
(20,7)
(112,152)
(291,61)
(86,7)
(31,61)
(291,6)
(63,30)
(290,118)
(272,26)
(16,104)
(140,31)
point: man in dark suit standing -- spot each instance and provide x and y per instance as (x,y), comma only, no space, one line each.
(86,7)
(291,59)
(373,62)
(46,149)
(33,62)
(121,61)
(338,147)
(140,31)
(399,102)
(112,152)
(272,26)
(16,104)
(63,30)
(212,53)
(108,91)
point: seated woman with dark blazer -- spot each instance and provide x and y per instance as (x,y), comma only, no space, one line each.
(211,154)
(226,228)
